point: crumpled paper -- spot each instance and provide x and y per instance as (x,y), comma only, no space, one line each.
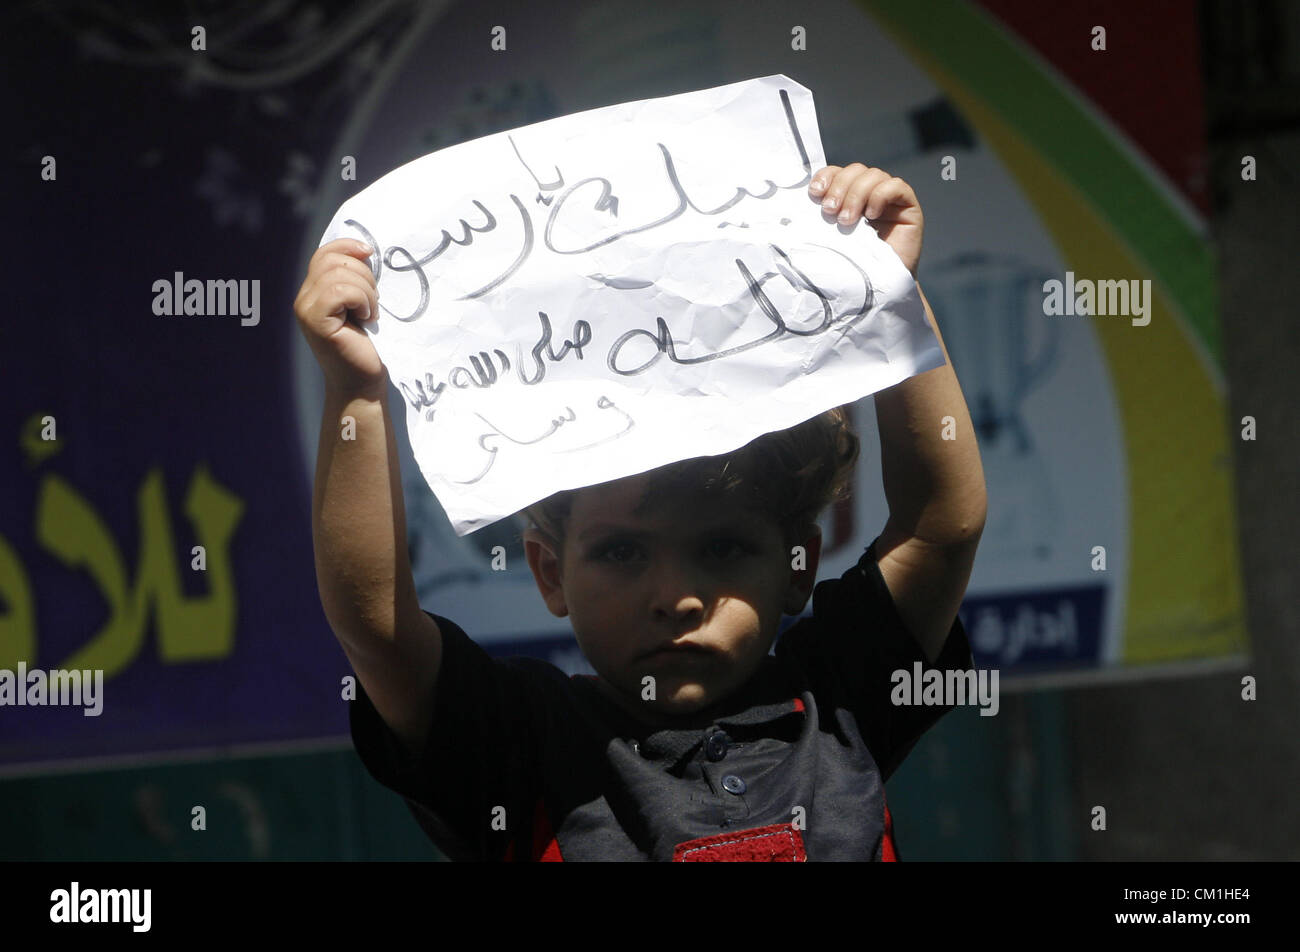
(612,291)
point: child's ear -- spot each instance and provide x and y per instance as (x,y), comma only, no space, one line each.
(543,553)
(803,571)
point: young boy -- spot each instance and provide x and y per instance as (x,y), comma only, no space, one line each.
(691,743)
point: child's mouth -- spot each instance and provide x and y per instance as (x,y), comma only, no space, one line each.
(678,650)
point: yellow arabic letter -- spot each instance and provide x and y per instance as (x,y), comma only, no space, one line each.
(69,528)
(18,625)
(189,628)
(203,627)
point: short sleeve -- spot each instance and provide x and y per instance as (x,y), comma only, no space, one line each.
(475,784)
(851,647)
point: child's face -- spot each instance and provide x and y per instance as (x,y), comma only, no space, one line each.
(712,576)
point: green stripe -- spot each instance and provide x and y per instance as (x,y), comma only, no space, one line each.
(978,53)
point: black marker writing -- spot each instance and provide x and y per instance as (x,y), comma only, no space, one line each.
(603,403)
(524,252)
(417,265)
(664,343)
(606,200)
(544,186)
(582,337)
(400,259)
(420,399)
(484,372)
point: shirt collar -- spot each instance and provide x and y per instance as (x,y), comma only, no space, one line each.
(763,701)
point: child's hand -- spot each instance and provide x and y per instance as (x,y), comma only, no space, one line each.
(336,298)
(889,203)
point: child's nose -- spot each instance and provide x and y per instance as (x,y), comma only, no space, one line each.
(676,591)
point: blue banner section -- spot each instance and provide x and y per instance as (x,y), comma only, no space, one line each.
(1030,632)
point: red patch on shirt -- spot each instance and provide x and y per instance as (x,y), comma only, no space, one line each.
(780,843)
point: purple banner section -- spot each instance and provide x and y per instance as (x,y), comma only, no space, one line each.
(160,420)
(133,435)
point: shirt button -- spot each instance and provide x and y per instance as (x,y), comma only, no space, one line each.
(715,748)
(733,784)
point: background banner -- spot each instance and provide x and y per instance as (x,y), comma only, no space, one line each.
(156,519)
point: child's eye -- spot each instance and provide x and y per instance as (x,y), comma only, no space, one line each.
(618,552)
(728,548)
(626,552)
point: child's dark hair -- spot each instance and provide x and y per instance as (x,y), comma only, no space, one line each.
(791,475)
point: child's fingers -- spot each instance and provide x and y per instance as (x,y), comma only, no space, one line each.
(837,184)
(335,295)
(363,308)
(892,191)
(832,201)
(858,191)
(821,179)
(348,246)
(346,252)
(323,264)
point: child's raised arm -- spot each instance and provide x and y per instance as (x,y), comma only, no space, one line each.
(363,570)
(930,462)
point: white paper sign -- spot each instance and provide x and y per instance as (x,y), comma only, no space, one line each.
(608,292)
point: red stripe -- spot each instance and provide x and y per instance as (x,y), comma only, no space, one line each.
(887,852)
(798,704)
(545,847)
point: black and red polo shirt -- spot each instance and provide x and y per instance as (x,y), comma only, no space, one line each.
(526,763)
